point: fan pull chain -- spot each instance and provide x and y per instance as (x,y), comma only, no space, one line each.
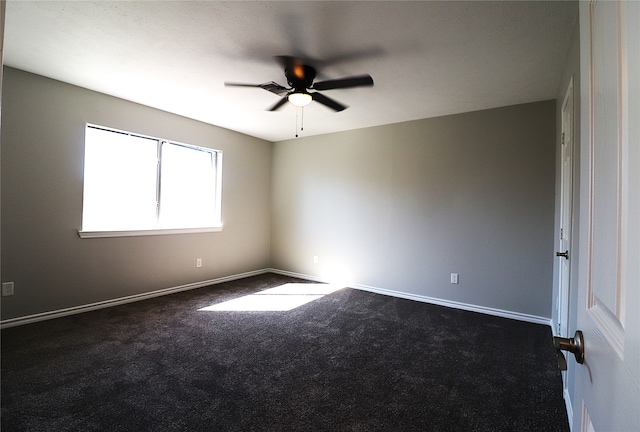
(299,113)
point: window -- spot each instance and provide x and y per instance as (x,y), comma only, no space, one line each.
(138,185)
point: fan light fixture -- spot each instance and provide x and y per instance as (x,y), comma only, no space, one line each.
(300,99)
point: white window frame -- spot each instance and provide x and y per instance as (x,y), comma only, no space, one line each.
(87,234)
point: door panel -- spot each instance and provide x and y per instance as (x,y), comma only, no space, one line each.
(608,384)
(605,292)
(605,200)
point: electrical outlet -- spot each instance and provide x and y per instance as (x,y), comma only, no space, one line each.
(199,262)
(454,278)
(7,289)
(315,259)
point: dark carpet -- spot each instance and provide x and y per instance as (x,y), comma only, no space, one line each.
(350,361)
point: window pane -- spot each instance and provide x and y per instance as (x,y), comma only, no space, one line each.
(187,187)
(120,174)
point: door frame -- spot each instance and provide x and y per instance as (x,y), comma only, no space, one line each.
(565,222)
(566,206)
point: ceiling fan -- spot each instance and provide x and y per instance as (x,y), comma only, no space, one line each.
(300,76)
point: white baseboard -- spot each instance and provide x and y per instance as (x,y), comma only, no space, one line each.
(569,406)
(138,297)
(448,303)
(122,300)
(554,327)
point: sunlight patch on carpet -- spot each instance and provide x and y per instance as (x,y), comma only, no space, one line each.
(279,299)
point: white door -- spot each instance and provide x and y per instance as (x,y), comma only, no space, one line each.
(566,199)
(607,392)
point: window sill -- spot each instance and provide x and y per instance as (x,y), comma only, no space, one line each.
(150,232)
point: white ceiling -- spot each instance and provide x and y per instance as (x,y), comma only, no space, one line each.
(427,58)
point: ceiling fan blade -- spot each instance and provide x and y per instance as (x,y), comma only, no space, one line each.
(279,103)
(326,101)
(269,86)
(355,81)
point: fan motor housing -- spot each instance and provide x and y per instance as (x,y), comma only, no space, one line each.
(299,76)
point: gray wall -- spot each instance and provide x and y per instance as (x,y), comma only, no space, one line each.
(42,161)
(396,207)
(400,207)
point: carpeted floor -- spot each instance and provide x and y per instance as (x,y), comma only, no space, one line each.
(349,361)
